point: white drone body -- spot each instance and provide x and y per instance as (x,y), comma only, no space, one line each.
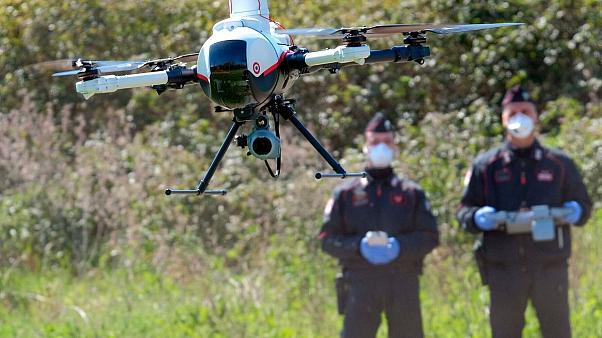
(247,65)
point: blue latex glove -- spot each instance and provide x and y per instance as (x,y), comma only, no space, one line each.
(381,254)
(482,219)
(575,214)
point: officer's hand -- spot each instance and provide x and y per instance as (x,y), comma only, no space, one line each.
(575,215)
(380,254)
(483,219)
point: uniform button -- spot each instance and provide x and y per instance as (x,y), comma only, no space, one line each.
(521,250)
(523,269)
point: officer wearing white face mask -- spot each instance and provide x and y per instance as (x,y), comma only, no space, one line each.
(516,176)
(380,228)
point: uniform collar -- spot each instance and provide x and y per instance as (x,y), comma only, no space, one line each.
(510,153)
(379,176)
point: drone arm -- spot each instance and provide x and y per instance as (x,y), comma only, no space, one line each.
(175,77)
(394,54)
(341,54)
(112,83)
(178,76)
(303,59)
(399,54)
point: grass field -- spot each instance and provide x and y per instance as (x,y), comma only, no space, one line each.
(285,293)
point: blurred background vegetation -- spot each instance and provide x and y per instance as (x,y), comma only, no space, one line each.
(90,246)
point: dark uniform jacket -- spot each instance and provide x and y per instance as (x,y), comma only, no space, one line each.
(511,179)
(395,205)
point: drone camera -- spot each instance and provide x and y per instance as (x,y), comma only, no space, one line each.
(264,144)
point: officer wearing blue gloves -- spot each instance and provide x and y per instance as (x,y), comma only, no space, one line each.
(380,228)
(519,175)
(376,252)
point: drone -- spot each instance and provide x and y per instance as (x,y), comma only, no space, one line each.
(248,64)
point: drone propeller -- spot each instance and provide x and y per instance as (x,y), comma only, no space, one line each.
(56,65)
(379,31)
(85,68)
(167,61)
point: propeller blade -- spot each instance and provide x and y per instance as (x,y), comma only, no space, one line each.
(182,58)
(392,29)
(117,66)
(56,65)
(69,72)
(319,33)
(78,66)
(450,29)
(187,57)
(386,30)
(102,66)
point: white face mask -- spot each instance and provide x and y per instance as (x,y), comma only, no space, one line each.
(520,125)
(380,155)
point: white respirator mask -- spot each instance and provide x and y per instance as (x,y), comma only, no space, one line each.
(380,155)
(520,125)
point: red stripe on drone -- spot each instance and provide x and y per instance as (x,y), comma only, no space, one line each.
(274,66)
(202,77)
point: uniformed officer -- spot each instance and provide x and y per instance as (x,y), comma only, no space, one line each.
(380,228)
(516,176)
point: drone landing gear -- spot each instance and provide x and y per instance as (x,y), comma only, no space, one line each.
(204,182)
(285,109)
(279,108)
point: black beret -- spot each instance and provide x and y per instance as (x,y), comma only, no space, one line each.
(516,94)
(379,124)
